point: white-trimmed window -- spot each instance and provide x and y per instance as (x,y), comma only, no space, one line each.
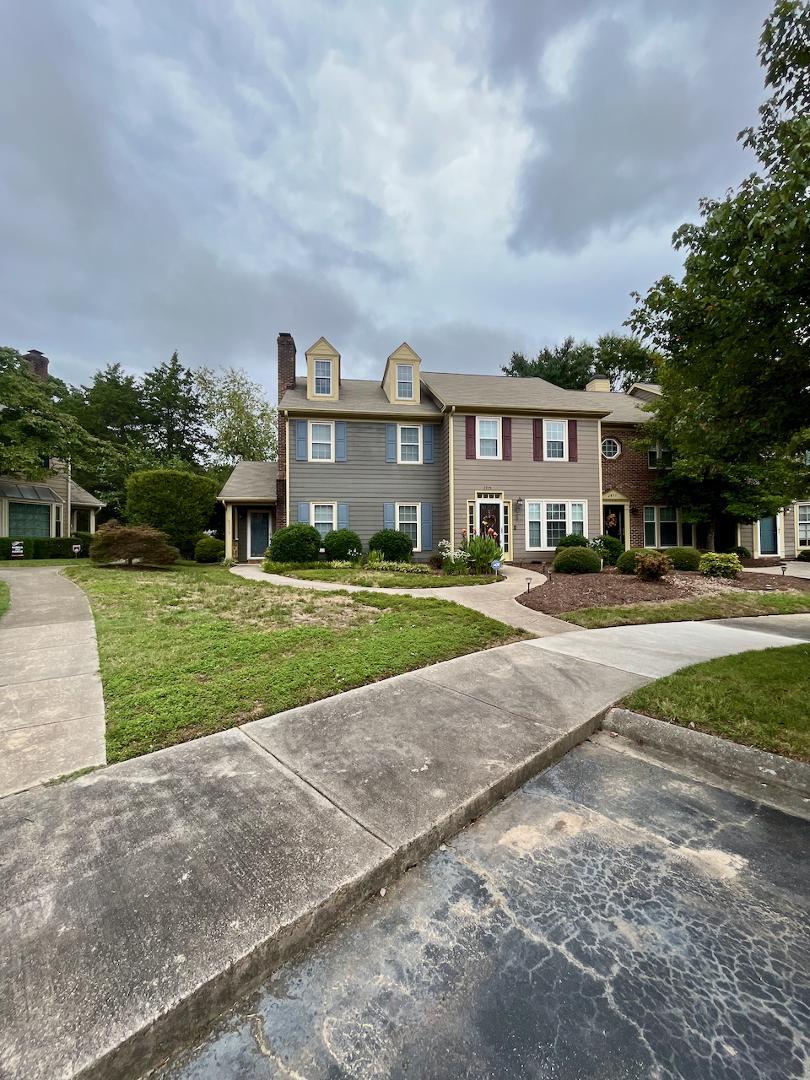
(549,520)
(323,378)
(408,515)
(323,516)
(409,444)
(321,440)
(611,448)
(405,382)
(659,457)
(555,440)
(488,436)
(803,525)
(661,525)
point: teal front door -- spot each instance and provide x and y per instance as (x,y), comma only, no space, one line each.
(28,519)
(258,533)
(768,544)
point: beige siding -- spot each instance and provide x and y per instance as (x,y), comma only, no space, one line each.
(522,477)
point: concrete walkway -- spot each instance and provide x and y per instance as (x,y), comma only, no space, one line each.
(795,568)
(496,600)
(138,901)
(51,704)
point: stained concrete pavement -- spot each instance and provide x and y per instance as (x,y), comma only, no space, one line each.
(51,702)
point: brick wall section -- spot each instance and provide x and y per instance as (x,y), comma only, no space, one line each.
(629,474)
(286,380)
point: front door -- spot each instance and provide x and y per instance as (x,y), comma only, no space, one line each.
(490,520)
(768,541)
(258,533)
(613,520)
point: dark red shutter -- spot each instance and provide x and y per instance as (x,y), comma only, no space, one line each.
(470,436)
(572,440)
(506,433)
(537,439)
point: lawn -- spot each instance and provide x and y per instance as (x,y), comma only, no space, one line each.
(755,698)
(194,649)
(392,579)
(718,606)
(32,564)
(5,596)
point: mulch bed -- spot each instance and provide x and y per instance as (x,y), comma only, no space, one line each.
(568,592)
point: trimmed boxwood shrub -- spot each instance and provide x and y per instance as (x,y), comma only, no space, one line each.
(626,562)
(742,551)
(652,565)
(295,544)
(804,556)
(713,564)
(609,548)
(59,547)
(684,558)
(576,560)
(208,549)
(572,540)
(342,544)
(395,545)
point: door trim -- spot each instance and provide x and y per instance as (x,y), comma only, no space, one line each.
(251,557)
(780,539)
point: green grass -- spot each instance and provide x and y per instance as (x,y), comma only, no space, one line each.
(755,698)
(192,650)
(391,579)
(5,598)
(721,606)
(32,564)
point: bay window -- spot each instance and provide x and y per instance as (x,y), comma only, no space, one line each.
(548,521)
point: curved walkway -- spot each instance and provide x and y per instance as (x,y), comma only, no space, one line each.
(496,600)
(51,704)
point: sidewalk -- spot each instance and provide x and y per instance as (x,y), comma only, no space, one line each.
(51,704)
(496,600)
(139,901)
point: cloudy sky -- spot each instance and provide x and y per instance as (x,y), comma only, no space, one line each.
(473,177)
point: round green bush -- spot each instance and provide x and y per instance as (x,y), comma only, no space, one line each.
(804,556)
(394,545)
(208,549)
(576,560)
(295,543)
(572,540)
(626,562)
(683,558)
(609,548)
(342,545)
(741,551)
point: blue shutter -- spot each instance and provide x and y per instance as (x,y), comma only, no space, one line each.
(390,443)
(427,526)
(340,440)
(300,440)
(343,516)
(428,432)
(303,513)
(388,515)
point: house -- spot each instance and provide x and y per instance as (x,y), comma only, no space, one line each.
(437,454)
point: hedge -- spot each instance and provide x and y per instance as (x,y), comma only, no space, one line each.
(46,547)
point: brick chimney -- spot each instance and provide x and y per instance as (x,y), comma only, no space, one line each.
(38,363)
(286,381)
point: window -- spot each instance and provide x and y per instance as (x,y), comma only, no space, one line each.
(489,437)
(661,526)
(650,536)
(323,377)
(548,522)
(410,445)
(555,440)
(659,457)
(405,381)
(803,524)
(321,442)
(58,520)
(611,448)
(322,516)
(408,522)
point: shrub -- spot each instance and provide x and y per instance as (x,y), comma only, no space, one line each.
(652,565)
(684,558)
(115,542)
(576,560)
(741,551)
(343,544)
(572,540)
(295,544)
(453,562)
(608,548)
(804,556)
(713,564)
(436,560)
(208,549)
(482,551)
(394,545)
(58,547)
(175,502)
(626,562)
(401,567)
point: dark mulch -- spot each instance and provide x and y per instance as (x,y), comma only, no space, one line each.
(568,592)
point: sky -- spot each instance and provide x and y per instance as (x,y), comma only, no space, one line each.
(474,177)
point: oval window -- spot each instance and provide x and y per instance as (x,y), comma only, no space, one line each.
(611,448)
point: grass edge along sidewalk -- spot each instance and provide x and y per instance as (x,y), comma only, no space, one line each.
(720,606)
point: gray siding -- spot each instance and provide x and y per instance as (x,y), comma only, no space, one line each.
(522,477)
(366,481)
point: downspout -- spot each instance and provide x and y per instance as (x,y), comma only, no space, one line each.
(451,462)
(287,469)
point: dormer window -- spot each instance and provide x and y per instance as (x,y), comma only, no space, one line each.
(323,378)
(405,382)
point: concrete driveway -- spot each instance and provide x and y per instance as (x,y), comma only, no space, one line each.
(613,919)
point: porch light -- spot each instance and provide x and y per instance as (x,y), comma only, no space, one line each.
(519,504)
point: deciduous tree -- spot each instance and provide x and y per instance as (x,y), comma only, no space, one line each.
(241,417)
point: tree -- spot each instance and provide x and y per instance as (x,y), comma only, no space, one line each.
(177,502)
(736,327)
(621,359)
(33,428)
(112,407)
(241,417)
(174,416)
(115,542)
